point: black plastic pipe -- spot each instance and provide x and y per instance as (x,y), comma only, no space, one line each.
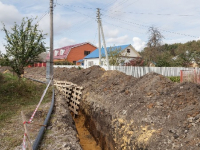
(36,80)
(42,129)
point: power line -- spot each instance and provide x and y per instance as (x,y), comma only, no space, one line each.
(47,12)
(141,25)
(82,25)
(123,27)
(184,15)
(106,6)
(137,13)
(120,4)
(77,11)
(95,36)
(132,3)
(65,5)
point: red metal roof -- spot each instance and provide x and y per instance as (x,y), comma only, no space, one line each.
(66,49)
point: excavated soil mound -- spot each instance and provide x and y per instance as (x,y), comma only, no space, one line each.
(78,76)
(3,69)
(35,72)
(150,112)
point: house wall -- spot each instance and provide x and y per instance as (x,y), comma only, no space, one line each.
(133,52)
(87,62)
(127,57)
(77,53)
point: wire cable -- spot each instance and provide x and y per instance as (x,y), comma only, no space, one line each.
(77,11)
(181,15)
(145,26)
(95,36)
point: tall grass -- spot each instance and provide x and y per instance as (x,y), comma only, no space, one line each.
(15,95)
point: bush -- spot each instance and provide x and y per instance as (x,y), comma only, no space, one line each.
(62,63)
(175,79)
(1,77)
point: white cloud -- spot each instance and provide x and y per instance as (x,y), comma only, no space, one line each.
(138,44)
(60,24)
(9,14)
(65,42)
(118,40)
(110,33)
(114,9)
(2,49)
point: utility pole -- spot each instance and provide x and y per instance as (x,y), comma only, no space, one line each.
(98,21)
(51,38)
(101,31)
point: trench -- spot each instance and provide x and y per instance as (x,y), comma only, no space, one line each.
(87,141)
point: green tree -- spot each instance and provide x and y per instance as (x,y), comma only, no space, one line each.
(24,44)
(115,56)
(154,46)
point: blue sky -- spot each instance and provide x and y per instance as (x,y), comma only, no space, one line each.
(124,21)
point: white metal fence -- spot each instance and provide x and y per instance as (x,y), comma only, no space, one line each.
(140,71)
(66,66)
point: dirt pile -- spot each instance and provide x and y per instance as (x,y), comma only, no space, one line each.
(35,72)
(150,112)
(61,132)
(3,69)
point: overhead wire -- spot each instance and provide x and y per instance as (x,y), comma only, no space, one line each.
(145,26)
(95,36)
(66,5)
(42,16)
(120,4)
(137,13)
(181,15)
(76,11)
(109,4)
(132,3)
(137,24)
(81,24)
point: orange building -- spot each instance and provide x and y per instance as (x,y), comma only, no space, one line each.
(72,53)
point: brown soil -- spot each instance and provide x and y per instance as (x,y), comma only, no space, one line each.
(11,134)
(61,133)
(86,140)
(127,113)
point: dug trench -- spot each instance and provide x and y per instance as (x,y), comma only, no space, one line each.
(125,113)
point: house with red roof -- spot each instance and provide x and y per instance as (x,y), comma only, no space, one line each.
(72,53)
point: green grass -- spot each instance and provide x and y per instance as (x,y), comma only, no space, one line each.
(17,95)
(175,79)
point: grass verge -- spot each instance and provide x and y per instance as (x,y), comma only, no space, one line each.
(16,96)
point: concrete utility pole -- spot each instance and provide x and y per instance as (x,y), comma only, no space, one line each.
(101,31)
(98,21)
(51,38)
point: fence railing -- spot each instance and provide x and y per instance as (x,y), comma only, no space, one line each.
(66,66)
(139,71)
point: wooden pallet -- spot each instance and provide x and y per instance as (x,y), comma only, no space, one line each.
(72,93)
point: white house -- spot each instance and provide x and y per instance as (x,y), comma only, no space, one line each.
(127,51)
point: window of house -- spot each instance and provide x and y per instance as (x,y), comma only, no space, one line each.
(62,51)
(56,53)
(90,63)
(74,62)
(86,53)
(128,50)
